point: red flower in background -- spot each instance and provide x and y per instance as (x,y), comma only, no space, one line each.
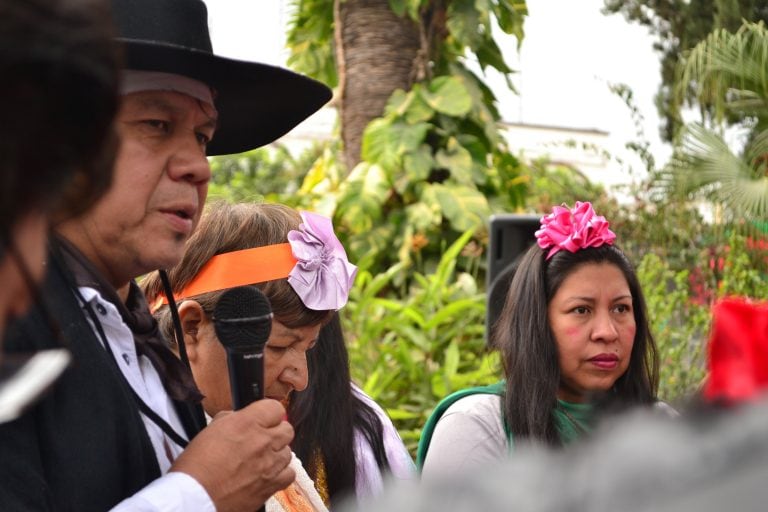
(738,351)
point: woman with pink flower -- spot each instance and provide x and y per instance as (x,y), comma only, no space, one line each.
(296,261)
(574,339)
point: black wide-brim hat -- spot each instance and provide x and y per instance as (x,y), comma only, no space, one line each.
(257,103)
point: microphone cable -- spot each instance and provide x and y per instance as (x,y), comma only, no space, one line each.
(198,414)
(143,407)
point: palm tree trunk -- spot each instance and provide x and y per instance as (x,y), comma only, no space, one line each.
(376,53)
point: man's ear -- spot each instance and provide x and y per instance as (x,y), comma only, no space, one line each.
(191,315)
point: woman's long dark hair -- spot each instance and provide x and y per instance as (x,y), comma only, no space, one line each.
(529,351)
(326,414)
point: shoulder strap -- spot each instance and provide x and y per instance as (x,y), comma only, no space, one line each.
(429,427)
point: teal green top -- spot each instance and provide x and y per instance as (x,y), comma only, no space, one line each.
(571,419)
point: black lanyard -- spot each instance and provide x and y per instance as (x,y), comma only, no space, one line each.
(143,407)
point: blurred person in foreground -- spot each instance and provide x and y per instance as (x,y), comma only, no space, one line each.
(574,338)
(59,69)
(122,427)
(59,90)
(296,261)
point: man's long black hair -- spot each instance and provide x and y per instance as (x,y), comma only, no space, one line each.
(327,413)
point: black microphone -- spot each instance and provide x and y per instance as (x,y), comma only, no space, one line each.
(243,320)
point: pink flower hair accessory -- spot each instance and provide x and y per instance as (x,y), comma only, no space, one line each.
(323,275)
(573,229)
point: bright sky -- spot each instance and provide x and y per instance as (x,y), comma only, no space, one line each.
(571,52)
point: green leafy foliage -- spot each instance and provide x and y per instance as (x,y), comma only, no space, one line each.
(410,349)
(437,152)
(434,164)
(679,305)
(729,73)
(679,325)
(310,37)
(265,174)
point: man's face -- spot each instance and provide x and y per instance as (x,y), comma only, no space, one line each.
(159,188)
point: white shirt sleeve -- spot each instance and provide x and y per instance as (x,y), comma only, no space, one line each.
(173,492)
(368,477)
(468,436)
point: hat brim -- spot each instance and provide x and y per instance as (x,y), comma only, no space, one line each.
(257,103)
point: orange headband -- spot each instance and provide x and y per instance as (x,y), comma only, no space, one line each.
(238,268)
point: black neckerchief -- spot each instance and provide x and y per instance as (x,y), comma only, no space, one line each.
(176,377)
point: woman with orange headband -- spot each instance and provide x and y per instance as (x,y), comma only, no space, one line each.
(297,262)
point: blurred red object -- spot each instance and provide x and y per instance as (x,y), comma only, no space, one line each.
(737,351)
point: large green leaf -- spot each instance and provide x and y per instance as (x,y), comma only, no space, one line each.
(464,207)
(419,163)
(448,95)
(386,142)
(378,146)
(458,160)
(418,110)
(484,112)
(398,103)
(309,38)
(373,180)
(422,217)
(408,105)
(360,203)
(463,22)
(489,54)
(510,15)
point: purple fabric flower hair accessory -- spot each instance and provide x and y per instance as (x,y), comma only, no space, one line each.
(573,229)
(323,275)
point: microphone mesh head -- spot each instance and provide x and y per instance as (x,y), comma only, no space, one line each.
(242,318)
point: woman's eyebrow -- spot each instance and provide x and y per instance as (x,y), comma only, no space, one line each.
(579,298)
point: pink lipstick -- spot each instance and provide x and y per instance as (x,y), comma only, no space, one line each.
(605,361)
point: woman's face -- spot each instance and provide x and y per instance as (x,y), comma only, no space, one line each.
(285,364)
(592,319)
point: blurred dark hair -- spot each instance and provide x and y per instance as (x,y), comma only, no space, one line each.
(529,351)
(497,295)
(325,415)
(59,67)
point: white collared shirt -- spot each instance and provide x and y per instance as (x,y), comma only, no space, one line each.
(173,491)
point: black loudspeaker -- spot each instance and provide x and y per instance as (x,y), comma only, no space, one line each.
(510,236)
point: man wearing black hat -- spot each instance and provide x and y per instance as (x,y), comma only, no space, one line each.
(119,429)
